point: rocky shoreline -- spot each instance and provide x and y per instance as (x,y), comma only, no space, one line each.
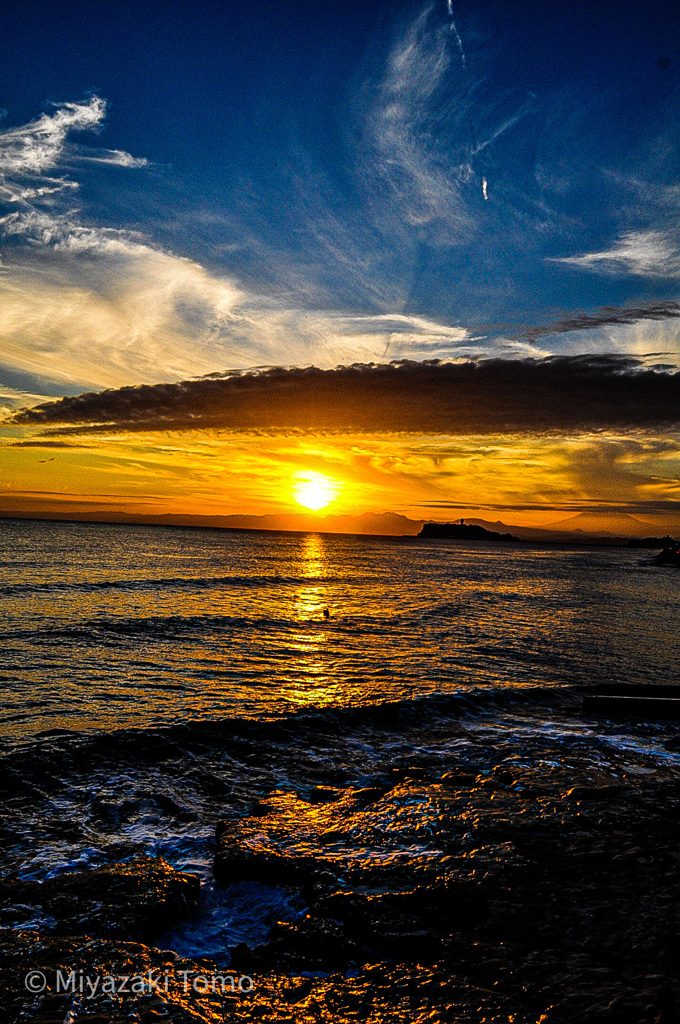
(532,890)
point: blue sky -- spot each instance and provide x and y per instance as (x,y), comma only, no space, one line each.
(184,190)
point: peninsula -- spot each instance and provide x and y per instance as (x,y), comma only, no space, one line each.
(461,531)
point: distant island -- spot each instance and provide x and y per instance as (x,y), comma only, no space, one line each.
(585,528)
(461,531)
(651,542)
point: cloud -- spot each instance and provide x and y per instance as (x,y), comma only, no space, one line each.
(42,444)
(409,127)
(84,302)
(125,312)
(104,309)
(641,253)
(645,506)
(454,31)
(608,316)
(328,260)
(12,399)
(102,306)
(65,234)
(108,157)
(556,394)
(29,151)
(23,194)
(38,146)
(622,468)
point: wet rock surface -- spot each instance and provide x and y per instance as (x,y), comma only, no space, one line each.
(441,876)
(186,992)
(137,899)
(567,896)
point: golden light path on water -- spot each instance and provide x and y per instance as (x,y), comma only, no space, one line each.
(108,626)
(316,685)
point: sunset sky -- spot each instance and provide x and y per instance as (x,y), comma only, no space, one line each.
(350,257)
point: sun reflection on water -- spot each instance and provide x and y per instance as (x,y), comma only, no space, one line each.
(137,627)
(313,683)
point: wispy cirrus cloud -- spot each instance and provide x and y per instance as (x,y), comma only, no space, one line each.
(38,146)
(405,123)
(29,151)
(129,312)
(428,120)
(648,253)
(107,157)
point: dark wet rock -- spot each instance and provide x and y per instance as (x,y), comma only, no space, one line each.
(369,868)
(595,792)
(290,840)
(375,994)
(412,773)
(552,886)
(311,943)
(324,795)
(461,885)
(406,922)
(667,1006)
(68,964)
(135,899)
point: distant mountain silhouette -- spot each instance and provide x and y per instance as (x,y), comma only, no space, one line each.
(370,523)
(387,524)
(584,528)
(613,524)
(557,533)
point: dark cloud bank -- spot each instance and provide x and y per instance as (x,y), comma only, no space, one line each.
(608,316)
(559,393)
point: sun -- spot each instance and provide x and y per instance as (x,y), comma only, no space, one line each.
(314,490)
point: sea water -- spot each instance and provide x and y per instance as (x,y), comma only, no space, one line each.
(155,680)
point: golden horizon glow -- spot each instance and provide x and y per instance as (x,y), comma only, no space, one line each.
(523,480)
(314,490)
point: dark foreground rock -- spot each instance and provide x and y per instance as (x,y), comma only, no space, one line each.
(101,980)
(523,892)
(136,899)
(189,992)
(477,983)
(565,899)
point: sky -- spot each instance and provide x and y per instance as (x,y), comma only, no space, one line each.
(412,257)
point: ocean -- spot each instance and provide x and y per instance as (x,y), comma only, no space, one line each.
(158,680)
(107,626)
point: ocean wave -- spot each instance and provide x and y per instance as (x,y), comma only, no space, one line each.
(199,583)
(164,742)
(162,628)
(202,627)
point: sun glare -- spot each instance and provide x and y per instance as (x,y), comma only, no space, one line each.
(314,490)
